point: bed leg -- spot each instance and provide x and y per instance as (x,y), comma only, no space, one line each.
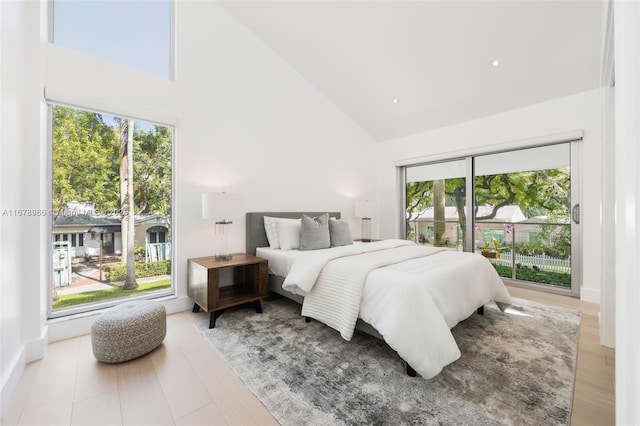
(481,310)
(307,319)
(410,371)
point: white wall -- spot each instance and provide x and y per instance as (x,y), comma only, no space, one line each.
(627,177)
(249,124)
(22,291)
(578,112)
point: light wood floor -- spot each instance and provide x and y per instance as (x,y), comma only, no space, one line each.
(186,382)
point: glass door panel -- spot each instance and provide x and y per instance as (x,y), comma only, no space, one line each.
(522,220)
(435,204)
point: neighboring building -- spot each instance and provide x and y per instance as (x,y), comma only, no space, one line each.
(85,232)
(525,231)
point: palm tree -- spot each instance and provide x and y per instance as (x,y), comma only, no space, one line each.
(126,201)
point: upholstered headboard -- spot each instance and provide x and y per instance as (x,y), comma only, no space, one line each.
(256,235)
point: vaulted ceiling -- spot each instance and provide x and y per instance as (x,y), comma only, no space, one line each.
(399,67)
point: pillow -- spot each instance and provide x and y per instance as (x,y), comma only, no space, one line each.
(339,233)
(272,232)
(288,233)
(314,232)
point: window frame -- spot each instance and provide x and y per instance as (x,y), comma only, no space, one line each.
(74,311)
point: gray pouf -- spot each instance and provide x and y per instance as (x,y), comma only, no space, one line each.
(128,331)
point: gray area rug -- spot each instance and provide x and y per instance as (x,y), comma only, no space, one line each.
(516,368)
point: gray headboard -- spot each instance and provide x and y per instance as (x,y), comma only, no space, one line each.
(257,237)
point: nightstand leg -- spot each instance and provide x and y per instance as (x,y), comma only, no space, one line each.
(196,308)
(214,316)
(258,307)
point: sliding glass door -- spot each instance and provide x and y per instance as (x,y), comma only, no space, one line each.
(524,212)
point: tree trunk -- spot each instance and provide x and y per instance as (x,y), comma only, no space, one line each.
(126,202)
(439,224)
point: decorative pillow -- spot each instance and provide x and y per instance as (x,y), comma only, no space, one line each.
(314,232)
(339,233)
(272,232)
(288,233)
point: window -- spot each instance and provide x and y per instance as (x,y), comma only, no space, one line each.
(137,34)
(88,150)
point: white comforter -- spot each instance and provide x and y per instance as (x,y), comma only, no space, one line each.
(412,295)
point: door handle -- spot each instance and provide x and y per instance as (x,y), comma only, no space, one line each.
(575,214)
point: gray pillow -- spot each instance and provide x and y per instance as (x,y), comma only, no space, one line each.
(339,233)
(314,233)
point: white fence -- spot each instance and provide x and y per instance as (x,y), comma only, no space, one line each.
(157,251)
(544,262)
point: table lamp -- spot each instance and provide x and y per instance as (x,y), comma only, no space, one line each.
(221,207)
(364,210)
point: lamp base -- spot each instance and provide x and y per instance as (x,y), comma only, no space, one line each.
(365,229)
(224,257)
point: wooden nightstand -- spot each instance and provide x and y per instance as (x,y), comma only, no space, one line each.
(250,284)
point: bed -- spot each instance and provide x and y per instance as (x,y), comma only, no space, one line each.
(409,295)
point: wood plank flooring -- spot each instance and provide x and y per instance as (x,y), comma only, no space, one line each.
(186,382)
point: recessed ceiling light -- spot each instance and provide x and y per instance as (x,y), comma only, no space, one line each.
(494,63)
(395,100)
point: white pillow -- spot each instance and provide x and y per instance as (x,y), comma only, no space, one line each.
(289,233)
(272,232)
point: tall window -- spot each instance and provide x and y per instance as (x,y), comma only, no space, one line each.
(134,33)
(112,177)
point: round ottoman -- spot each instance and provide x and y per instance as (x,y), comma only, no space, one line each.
(128,331)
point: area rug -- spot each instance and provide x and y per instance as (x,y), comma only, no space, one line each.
(517,368)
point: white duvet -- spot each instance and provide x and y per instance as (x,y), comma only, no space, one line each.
(413,295)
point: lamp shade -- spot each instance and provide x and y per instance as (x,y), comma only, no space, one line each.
(365,208)
(221,205)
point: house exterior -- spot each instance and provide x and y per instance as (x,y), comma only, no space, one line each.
(86,233)
(422,224)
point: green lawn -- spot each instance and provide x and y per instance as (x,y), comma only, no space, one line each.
(110,293)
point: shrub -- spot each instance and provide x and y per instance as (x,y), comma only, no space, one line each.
(526,274)
(143,270)
(536,249)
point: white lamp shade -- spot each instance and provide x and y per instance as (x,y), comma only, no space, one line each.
(221,205)
(365,208)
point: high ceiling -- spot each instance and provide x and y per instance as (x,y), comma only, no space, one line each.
(432,57)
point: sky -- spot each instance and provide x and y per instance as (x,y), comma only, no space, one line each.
(134,33)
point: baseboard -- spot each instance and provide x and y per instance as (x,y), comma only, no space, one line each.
(35,349)
(78,325)
(178,304)
(590,295)
(10,379)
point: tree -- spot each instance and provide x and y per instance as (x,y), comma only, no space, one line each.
(541,192)
(84,160)
(439,220)
(419,198)
(152,171)
(126,202)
